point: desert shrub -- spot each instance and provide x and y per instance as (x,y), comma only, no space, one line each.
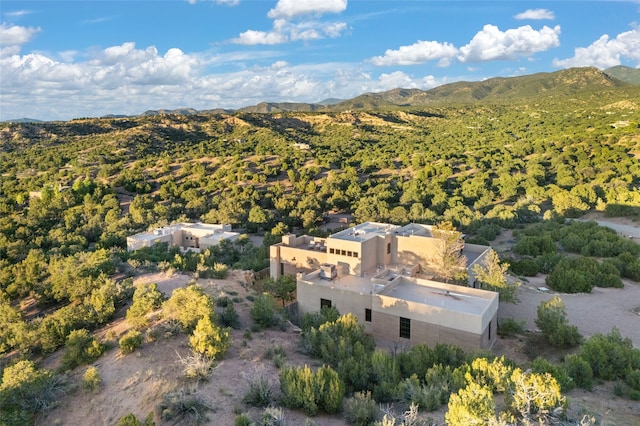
(317,318)
(494,374)
(579,370)
(131,420)
(610,356)
(223,302)
(146,298)
(264,311)
(361,409)
(302,388)
(91,379)
(524,267)
(533,396)
(580,275)
(535,245)
(385,376)
(209,339)
(196,366)
(547,261)
(273,416)
(131,341)
(510,327)
(81,348)
(417,360)
(413,391)
(628,265)
(448,354)
(277,354)
(633,379)
(447,379)
(242,420)
(541,366)
(552,321)
(187,306)
(181,407)
(472,405)
(229,317)
(26,390)
(260,393)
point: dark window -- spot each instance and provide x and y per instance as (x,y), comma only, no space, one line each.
(281,268)
(367,315)
(343,252)
(405,328)
(350,254)
(489,330)
(325,303)
(332,251)
(388,248)
(355,254)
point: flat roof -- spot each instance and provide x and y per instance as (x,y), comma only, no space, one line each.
(364,231)
(445,296)
(452,299)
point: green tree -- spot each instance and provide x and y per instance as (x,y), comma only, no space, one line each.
(552,320)
(187,306)
(449,260)
(492,276)
(81,348)
(472,405)
(283,288)
(209,339)
(146,298)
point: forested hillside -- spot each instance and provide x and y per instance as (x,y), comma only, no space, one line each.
(71,192)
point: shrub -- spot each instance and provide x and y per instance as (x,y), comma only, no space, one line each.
(610,356)
(524,267)
(535,245)
(265,312)
(242,420)
(273,416)
(552,320)
(130,341)
(471,405)
(360,409)
(182,407)
(187,306)
(412,391)
(209,339)
(229,317)
(510,327)
(316,319)
(91,379)
(81,348)
(494,374)
(197,366)
(131,420)
(580,371)
(302,388)
(534,396)
(146,298)
(259,394)
(26,390)
(541,366)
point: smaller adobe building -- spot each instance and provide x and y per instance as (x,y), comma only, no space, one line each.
(381,273)
(187,236)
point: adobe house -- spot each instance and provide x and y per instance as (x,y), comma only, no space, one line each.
(382,274)
(188,236)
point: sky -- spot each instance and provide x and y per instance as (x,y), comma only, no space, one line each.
(61,60)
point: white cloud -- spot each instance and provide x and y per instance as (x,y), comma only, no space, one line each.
(251,37)
(535,14)
(15,35)
(605,52)
(417,53)
(18,13)
(294,8)
(492,44)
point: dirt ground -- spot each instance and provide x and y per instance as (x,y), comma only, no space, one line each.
(136,383)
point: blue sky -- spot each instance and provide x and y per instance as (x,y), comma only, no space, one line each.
(66,59)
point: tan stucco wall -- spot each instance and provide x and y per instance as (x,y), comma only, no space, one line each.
(415,249)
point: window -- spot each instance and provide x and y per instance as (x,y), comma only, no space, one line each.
(388,248)
(355,254)
(350,254)
(331,251)
(343,252)
(489,330)
(367,315)
(405,328)
(325,303)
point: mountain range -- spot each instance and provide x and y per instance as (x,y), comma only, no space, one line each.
(563,83)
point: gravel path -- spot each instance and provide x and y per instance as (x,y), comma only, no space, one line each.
(593,313)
